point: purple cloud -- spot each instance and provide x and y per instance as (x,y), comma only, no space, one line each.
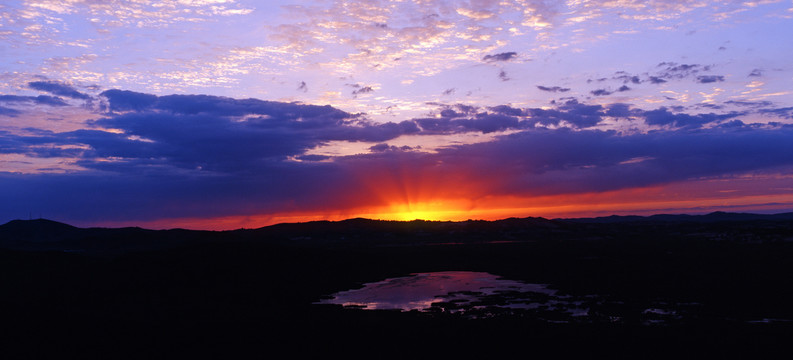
(4,111)
(41,100)
(505,56)
(553,88)
(58,88)
(706,79)
(204,156)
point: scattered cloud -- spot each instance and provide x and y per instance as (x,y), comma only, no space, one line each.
(604,92)
(506,56)
(359,89)
(553,88)
(706,79)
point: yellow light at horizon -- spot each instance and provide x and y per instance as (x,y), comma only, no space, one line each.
(437,210)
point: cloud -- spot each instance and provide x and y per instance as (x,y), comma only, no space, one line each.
(604,92)
(503,75)
(572,112)
(672,70)
(107,15)
(786,112)
(626,78)
(507,110)
(756,72)
(530,163)
(663,116)
(505,56)
(751,104)
(705,79)
(40,100)
(124,100)
(553,88)
(665,71)
(58,88)
(569,162)
(303,87)
(4,111)
(207,156)
(382,147)
(363,90)
(360,89)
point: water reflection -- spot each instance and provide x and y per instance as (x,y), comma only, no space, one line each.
(483,295)
(447,291)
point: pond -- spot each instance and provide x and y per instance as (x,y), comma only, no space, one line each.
(476,294)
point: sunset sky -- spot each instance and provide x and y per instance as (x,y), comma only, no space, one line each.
(221,114)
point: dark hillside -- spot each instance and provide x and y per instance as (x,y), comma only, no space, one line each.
(726,284)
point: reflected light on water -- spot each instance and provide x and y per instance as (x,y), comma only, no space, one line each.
(419,291)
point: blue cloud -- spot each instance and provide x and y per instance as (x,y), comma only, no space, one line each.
(4,111)
(553,88)
(706,79)
(505,56)
(41,100)
(58,88)
(198,155)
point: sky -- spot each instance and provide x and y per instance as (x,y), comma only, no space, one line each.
(224,114)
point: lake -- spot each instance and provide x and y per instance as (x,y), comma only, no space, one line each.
(476,294)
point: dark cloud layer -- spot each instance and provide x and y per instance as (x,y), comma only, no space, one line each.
(222,134)
(58,88)
(205,156)
(40,100)
(9,111)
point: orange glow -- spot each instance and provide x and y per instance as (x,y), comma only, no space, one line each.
(587,205)
(395,201)
(430,210)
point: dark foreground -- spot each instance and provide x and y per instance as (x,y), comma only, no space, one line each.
(110,293)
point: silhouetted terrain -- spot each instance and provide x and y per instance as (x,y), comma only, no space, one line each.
(109,293)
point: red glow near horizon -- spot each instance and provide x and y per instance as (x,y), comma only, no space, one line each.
(411,203)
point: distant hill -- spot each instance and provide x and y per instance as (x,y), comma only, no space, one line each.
(48,235)
(38,231)
(717,216)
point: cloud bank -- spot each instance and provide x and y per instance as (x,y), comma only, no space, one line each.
(146,157)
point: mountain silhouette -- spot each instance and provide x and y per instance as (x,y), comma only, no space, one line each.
(43,234)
